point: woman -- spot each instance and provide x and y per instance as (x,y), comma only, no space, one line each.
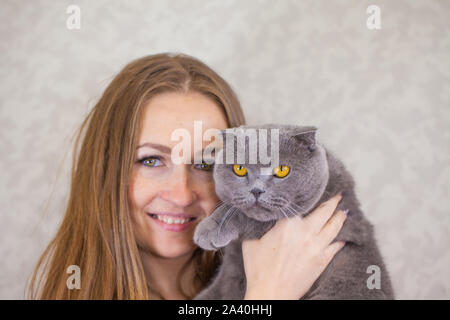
(131,213)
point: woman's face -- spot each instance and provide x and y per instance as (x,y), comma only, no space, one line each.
(169,200)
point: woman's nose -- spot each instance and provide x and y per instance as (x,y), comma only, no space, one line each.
(179,190)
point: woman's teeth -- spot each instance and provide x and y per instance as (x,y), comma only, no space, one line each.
(171,220)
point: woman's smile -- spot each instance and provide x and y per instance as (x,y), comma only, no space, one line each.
(176,222)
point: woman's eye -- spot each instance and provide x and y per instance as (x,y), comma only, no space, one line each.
(204,166)
(151,162)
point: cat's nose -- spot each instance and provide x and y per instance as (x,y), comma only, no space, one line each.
(257,192)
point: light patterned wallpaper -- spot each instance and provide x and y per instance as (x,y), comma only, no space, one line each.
(380,97)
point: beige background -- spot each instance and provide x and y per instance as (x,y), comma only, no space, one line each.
(380,98)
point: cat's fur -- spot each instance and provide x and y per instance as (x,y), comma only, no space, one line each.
(315,176)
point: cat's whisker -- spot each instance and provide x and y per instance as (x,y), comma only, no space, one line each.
(277,204)
(226,218)
(219,204)
(238,203)
(217,207)
(297,208)
(293,204)
(294,212)
(282,211)
(279,200)
(290,209)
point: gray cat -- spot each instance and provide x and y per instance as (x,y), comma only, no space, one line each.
(252,202)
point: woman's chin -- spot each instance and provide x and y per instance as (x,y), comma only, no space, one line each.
(171,250)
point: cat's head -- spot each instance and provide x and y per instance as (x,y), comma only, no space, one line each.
(271,191)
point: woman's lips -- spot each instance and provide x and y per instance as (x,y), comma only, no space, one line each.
(172,222)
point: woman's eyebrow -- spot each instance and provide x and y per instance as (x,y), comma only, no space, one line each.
(160,147)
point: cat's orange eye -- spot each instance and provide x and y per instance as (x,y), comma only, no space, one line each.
(281,171)
(239,170)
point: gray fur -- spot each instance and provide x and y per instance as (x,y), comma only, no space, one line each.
(315,176)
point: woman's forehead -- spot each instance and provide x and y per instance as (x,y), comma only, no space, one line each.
(168,113)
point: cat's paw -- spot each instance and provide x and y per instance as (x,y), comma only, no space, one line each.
(206,233)
(208,237)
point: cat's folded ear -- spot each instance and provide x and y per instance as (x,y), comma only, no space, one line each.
(305,135)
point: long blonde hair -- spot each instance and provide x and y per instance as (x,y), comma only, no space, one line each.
(96,233)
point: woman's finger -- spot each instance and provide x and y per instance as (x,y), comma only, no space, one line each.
(331,229)
(331,251)
(322,213)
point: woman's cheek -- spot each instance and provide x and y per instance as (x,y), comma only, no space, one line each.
(144,186)
(207,193)
(135,190)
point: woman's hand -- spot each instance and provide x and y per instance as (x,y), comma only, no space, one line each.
(288,259)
